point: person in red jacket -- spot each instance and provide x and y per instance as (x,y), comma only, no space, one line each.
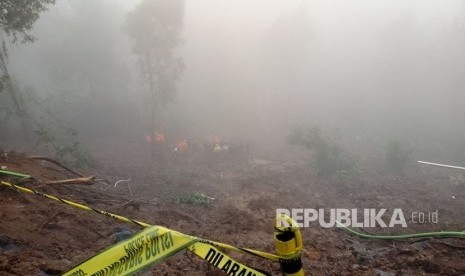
(159,137)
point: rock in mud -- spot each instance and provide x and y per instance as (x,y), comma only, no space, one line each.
(123,234)
(379,272)
(7,244)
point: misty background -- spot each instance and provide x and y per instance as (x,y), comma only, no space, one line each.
(254,70)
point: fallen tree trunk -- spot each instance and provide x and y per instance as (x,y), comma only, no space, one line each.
(82,180)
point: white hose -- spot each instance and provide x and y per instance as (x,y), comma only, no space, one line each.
(441,165)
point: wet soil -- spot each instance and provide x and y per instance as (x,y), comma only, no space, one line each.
(43,237)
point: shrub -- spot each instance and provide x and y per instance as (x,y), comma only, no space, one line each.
(330,157)
(194,198)
(67,149)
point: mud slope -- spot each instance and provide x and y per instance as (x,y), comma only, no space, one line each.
(42,237)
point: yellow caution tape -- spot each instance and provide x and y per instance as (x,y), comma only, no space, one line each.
(146,248)
(152,245)
(265,255)
(223,261)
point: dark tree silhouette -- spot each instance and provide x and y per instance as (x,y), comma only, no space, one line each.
(16,19)
(155,27)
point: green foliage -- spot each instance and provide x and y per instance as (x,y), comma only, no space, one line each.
(49,132)
(67,149)
(75,155)
(16,19)
(397,157)
(194,198)
(43,136)
(18,16)
(330,157)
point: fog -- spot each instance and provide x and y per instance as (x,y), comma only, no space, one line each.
(254,70)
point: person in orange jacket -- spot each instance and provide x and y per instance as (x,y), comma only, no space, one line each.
(182,145)
(159,137)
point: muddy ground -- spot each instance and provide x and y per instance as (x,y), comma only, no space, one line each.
(42,237)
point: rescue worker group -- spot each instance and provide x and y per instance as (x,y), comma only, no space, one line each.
(180,146)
